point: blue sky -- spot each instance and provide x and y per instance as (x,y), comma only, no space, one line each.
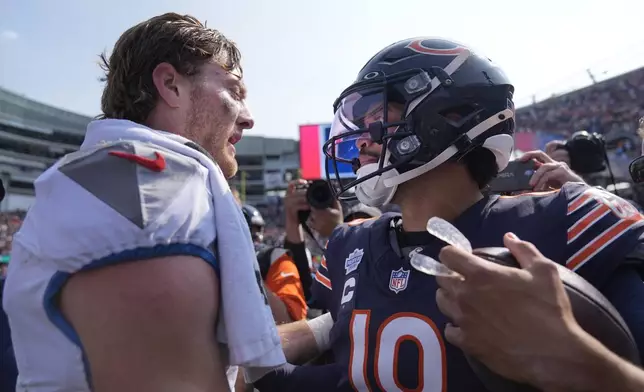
(299,55)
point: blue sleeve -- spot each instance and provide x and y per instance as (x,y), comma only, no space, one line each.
(301,378)
(601,229)
(625,290)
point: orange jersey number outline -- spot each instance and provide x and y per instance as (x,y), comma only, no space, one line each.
(399,327)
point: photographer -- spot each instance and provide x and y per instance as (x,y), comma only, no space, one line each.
(323,221)
(550,174)
(556,149)
(582,158)
(584,154)
(311,205)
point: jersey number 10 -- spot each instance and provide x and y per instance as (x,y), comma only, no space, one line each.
(399,327)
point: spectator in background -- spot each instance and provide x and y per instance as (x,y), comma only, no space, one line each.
(612,105)
(321,222)
(10,223)
(295,201)
(4,267)
(278,271)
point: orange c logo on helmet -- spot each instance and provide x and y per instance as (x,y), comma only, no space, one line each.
(418,46)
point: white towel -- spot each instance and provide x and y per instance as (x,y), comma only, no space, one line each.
(246,324)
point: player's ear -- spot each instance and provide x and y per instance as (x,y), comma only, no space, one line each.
(168,83)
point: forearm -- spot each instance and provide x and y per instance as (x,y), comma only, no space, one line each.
(278,308)
(293,231)
(298,342)
(589,366)
(612,373)
(304,340)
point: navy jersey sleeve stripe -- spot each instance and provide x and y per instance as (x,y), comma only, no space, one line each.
(322,275)
(322,285)
(596,220)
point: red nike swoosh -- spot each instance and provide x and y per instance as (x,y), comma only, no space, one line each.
(157,164)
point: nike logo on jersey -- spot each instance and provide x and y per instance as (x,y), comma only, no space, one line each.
(157,164)
(286,275)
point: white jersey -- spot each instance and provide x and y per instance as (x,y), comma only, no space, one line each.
(116,202)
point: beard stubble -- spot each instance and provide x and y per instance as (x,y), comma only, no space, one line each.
(209,125)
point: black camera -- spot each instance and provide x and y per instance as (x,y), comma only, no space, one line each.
(318,195)
(636,169)
(587,152)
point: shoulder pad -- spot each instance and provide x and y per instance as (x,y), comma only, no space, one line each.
(118,196)
(347,232)
(133,178)
(367,222)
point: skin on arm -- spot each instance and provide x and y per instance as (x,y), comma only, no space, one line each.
(519,322)
(148,325)
(601,370)
(298,342)
(278,308)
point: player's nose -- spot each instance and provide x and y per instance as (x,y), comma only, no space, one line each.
(245,119)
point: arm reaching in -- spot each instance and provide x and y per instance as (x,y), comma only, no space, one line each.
(500,309)
(304,340)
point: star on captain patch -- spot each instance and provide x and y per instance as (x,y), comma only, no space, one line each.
(399,279)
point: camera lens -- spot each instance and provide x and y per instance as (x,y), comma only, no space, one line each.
(319,195)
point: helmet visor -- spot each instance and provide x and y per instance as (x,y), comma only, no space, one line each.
(350,130)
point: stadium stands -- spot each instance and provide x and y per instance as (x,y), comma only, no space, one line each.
(32,137)
(611,106)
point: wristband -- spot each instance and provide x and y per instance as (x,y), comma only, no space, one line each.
(321,328)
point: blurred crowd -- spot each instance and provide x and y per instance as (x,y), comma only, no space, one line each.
(273,212)
(9,224)
(609,106)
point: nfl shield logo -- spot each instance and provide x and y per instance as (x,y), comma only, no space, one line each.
(398,280)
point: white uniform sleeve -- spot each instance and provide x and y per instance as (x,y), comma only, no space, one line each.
(121,201)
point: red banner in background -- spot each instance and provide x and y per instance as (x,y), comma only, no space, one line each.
(525,141)
(310,152)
